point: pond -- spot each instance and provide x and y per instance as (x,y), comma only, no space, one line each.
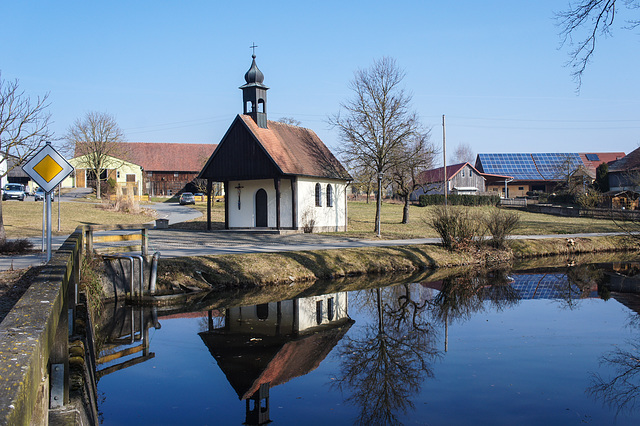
(540,346)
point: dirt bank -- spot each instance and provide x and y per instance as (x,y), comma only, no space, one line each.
(251,270)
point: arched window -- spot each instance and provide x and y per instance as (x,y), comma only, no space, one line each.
(318,195)
(329,196)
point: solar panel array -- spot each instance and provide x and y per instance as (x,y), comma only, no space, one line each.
(546,166)
(592,157)
(545,286)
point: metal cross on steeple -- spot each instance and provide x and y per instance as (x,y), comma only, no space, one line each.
(253,46)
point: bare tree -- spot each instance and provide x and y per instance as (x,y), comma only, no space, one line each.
(463,154)
(415,157)
(596,17)
(97,139)
(24,128)
(363,178)
(377,121)
(290,121)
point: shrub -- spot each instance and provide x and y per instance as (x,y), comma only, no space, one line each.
(123,204)
(21,245)
(456,227)
(459,200)
(562,198)
(500,224)
(590,199)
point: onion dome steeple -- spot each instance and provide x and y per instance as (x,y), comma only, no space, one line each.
(254,94)
(254,75)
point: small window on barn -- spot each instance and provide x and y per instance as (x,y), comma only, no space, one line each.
(329,196)
(318,195)
(462,172)
(118,174)
(521,188)
(175,175)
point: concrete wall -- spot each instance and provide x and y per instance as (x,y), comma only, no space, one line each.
(34,335)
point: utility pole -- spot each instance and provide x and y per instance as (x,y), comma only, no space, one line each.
(444,155)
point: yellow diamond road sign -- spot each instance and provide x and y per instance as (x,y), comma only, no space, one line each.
(47,168)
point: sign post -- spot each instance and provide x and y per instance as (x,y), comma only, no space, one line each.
(48,169)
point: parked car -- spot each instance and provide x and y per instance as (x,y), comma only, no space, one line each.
(187,198)
(13,191)
(39,194)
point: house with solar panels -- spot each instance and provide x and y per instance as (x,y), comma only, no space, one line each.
(516,174)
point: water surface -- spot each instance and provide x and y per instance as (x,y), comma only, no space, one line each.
(539,347)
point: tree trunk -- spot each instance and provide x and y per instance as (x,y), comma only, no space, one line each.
(98,187)
(405,210)
(378,208)
(3,233)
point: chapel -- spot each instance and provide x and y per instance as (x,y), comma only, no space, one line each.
(275,175)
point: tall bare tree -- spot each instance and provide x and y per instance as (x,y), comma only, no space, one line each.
(596,18)
(24,128)
(97,141)
(415,157)
(463,154)
(377,121)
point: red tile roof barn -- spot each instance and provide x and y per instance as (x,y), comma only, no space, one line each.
(169,157)
(166,157)
(603,157)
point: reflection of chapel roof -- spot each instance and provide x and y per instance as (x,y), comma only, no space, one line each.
(296,150)
(247,363)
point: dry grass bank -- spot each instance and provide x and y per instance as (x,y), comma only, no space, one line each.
(249,270)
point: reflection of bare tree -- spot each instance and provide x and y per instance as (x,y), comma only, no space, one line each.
(462,296)
(385,365)
(622,390)
(577,285)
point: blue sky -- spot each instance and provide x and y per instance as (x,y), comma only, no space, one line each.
(170,71)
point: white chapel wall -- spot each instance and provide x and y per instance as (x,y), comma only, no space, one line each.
(326,218)
(245,215)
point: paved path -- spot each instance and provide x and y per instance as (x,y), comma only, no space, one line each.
(177,243)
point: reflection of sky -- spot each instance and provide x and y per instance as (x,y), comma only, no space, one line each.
(528,364)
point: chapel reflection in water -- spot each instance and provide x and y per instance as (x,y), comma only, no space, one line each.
(262,346)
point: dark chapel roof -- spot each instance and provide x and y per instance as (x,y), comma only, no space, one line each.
(290,150)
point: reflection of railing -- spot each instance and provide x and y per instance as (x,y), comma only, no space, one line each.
(137,332)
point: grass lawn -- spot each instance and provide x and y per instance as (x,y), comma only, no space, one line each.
(24,219)
(362,215)
(361,221)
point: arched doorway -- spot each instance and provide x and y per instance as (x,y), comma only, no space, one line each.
(261,208)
